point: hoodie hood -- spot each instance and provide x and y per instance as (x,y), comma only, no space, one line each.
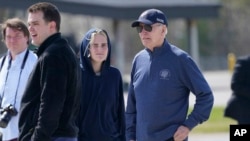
(85,60)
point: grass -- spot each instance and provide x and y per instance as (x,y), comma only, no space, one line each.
(216,123)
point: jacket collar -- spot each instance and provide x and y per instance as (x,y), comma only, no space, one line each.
(48,42)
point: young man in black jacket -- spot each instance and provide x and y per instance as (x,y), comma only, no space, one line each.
(51,100)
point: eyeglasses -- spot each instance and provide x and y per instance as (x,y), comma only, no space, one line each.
(146,27)
(17,37)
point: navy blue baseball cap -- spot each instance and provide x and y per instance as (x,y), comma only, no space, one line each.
(151,16)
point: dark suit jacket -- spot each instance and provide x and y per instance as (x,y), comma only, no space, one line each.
(238,107)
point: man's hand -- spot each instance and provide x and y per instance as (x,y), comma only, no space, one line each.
(181,133)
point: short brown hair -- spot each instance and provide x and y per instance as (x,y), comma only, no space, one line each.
(50,12)
(17,24)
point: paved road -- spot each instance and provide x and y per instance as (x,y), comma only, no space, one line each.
(219,82)
(209,137)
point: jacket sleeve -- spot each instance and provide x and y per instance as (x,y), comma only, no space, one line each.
(121,110)
(54,76)
(131,113)
(196,83)
(81,114)
(240,83)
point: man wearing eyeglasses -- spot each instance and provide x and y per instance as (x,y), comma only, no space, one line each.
(15,68)
(162,78)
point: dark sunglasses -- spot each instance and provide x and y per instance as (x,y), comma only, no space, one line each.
(146,27)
